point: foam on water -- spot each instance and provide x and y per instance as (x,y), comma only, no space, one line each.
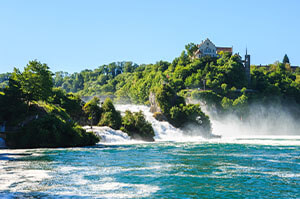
(230,132)
(19,175)
(149,170)
(163,130)
(109,135)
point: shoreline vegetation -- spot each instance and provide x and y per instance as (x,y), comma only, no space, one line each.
(42,109)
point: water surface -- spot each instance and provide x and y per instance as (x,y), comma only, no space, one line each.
(264,167)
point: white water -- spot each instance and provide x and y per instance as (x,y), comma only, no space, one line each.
(230,131)
(108,135)
(163,130)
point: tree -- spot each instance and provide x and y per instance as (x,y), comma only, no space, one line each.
(92,110)
(110,116)
(191,48)
(35,82)
(136,126)
(167,98)
(286,59)
(71,103)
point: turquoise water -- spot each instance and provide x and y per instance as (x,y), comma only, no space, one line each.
(243,168)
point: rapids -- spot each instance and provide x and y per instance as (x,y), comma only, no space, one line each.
(238,165)
(163,130)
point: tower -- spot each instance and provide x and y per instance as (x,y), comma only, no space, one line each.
(247,67)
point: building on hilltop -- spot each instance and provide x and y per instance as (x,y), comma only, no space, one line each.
(207,48)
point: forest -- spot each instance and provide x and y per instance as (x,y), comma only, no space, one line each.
(218,83)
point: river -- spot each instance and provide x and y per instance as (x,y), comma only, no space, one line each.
(175,166)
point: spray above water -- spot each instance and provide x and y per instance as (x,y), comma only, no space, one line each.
(231,128)
(261,121)
(163,130)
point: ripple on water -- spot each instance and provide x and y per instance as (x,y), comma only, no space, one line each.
(155,170)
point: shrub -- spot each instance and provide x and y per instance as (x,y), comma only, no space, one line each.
(92,110)
(191,113)
(136,126)
(177,112)
(167,98)
(110,117)
(53,129)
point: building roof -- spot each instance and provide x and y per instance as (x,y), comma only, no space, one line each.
(224,49)
(203,42)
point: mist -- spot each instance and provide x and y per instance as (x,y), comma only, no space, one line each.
(270,119)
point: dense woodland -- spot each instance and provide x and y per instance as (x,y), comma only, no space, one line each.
(38,115)
(219,83)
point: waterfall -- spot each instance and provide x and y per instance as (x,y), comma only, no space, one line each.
(163,130)
(108,135)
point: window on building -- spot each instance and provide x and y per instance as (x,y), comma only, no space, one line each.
(207,50)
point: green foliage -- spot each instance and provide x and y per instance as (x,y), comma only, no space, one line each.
(35,82)
(132,83)
(191,48)
(177,112)
(209,98)
(277,82)
(4,79)
(240,105)
(226,103)
(70,102)
(189,114)
(45,123)
(167,98)
(51,129)
(110,116)
(12,105)
(93,111)
(220,82)
(136,126)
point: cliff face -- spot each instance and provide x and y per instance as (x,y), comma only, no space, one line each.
(154,106)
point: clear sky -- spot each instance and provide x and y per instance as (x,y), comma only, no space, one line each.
(72,35)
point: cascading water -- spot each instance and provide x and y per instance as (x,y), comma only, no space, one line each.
(163,130)
(234,166)
(109,135)
(230,130)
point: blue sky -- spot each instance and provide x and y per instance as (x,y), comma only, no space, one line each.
(75,35)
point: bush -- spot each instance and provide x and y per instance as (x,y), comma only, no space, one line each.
(54,129)
(191,113)
(72,104)
(177,112)
(110,117)
(136,126)
(92,110)
(167,98)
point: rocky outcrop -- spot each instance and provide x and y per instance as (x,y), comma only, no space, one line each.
(168,106)
(154,106)
(160,117)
